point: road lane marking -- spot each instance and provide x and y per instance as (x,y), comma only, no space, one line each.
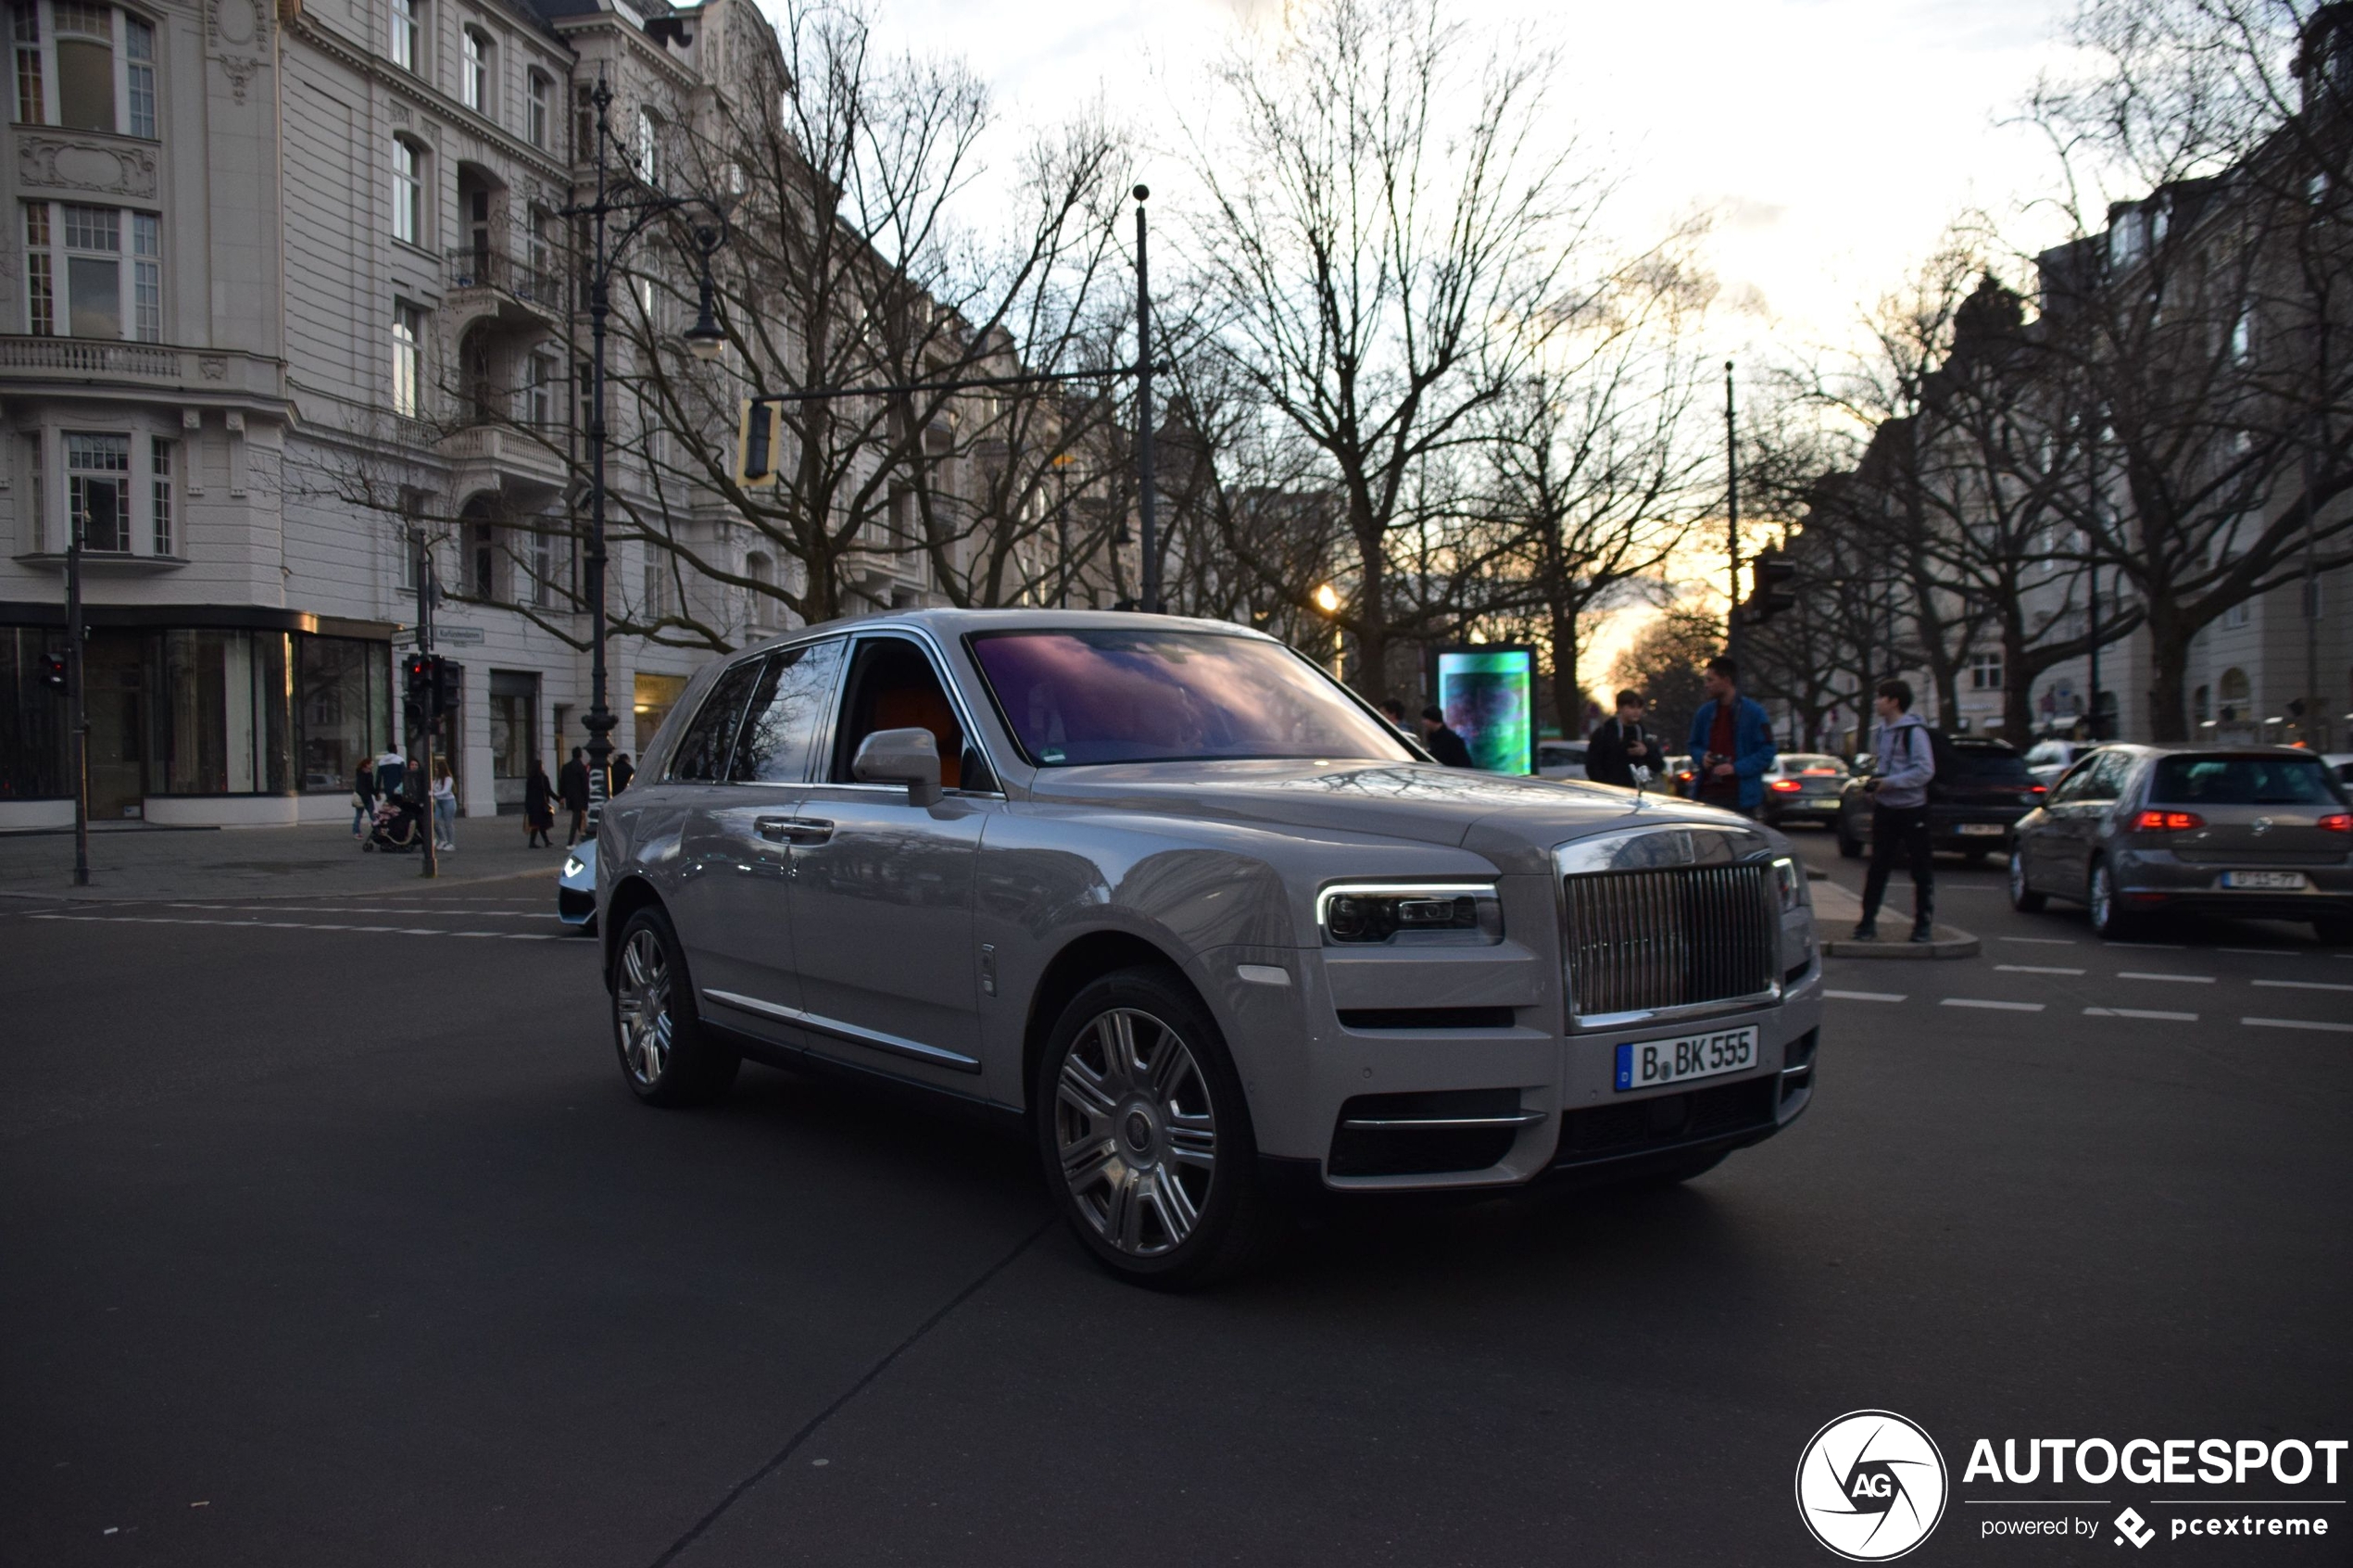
(2302,986)
(2033,969)
(2176,979)
(299,925)
(2140,1013)
(2043,941)
(2267,952)
(1863,996)
(2298,1024)
(1997,1007)
(2148,946)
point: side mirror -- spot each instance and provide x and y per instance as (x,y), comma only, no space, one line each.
(908,757)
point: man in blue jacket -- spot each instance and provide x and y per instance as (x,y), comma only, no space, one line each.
(1731,743)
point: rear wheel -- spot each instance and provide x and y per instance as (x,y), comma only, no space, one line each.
(2108,915)
(1849,847)
(1145,1136)
(2022,897)
(2336,932)
(666,1054)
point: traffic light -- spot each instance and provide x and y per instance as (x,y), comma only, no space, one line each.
(416,672)
(53,671)
(448,684)
(1773,592)
(756,443)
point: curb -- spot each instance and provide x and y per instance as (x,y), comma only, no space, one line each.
(1950,943)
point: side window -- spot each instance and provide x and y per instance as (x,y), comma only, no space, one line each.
(2105,776)
(2072,784)
(893,687)
(787,708)
(704,749)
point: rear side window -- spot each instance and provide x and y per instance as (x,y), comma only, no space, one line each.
(787,708)
(710,741)
(2244,781)
(1981,764)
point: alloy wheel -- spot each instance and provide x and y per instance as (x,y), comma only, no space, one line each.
(2103,899)
(1134,1132)
(643,1001)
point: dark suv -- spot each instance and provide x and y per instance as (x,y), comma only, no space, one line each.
(1981,790)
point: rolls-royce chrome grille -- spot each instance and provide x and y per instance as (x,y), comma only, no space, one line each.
(1669,937)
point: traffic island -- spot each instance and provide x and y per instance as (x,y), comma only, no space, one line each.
(1836,910)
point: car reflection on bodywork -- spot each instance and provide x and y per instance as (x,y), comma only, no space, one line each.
(576,888)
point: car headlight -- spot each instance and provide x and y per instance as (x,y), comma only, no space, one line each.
(573,865)
(1407,914)
(1788,880)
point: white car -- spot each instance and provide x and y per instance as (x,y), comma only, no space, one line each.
(1560,759)
(2047,759)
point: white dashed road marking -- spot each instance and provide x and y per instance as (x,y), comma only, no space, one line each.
(1997,1007)
(2140,1013)
(2177,979)
(2043,941)
(2148,946)
(2302,986)
(2033,969)
(2298,1024)
(1863,996)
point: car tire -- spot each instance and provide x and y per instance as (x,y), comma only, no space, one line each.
(1975,858)
(2023,898)
(1849,848)
(667,1057)
(1150,1156)
(2334,933)
(2109,918)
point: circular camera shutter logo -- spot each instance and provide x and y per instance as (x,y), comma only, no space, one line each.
(1870,1486)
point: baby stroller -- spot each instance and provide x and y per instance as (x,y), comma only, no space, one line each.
(399,826)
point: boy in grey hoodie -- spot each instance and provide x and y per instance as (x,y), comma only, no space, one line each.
(1907,762)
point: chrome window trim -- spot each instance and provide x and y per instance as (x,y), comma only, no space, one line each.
(897,1045)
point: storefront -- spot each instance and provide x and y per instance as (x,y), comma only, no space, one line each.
(199,717)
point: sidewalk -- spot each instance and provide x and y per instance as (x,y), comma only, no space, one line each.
(316,860)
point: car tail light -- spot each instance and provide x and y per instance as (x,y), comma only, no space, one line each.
(1786,786)
(2038,789)
(2338,822)
(2167,821)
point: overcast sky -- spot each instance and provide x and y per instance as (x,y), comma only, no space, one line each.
(1833,138)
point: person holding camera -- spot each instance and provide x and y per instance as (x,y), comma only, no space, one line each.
(1619,752)
(1731,743)
(1906,761)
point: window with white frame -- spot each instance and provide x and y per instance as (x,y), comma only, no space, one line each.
(538,106)
(84,66)
(406,42)
(540,399)
(2237,616)
(1985,672)
(648,147)
(543,563)
(408,190)
(2243,337)
(81,277)
(162,513)
(98,490)
(474,82)
(408,361)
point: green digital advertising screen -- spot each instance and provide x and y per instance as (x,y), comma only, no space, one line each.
(1488,696)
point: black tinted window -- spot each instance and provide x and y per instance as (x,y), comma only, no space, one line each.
(704,750)
(1981,764)
(2244,781)
(785,710)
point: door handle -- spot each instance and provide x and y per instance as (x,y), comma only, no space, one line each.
(792,829)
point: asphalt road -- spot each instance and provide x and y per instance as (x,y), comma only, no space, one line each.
(330,1236)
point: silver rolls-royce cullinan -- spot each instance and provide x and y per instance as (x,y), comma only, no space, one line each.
(1197,915)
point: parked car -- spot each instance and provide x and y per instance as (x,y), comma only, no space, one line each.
(1682,775)
(576,888)
(1560,759)
(2261,833)
(1168,894)
(1981,790)
(2341,764)
(2046,760)
(1803,786)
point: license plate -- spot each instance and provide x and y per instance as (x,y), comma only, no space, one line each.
(2278,882)
(1982,830)
(1645,1064)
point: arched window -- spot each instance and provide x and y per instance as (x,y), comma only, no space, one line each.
(2233,694)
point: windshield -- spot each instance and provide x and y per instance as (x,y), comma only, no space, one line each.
(2244,781)
(1114,695)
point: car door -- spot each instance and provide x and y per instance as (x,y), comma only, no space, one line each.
(743,840)
(2103,774)
(694,786)
(882,890)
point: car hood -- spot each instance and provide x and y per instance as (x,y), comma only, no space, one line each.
(1514,821)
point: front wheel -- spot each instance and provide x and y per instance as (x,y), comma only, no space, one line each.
(1145,1136)
(666,1054)
(2024,898)
(1849,847)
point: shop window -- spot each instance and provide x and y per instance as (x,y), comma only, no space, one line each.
(33,725)
(99,491)
(341,709)
(222,719)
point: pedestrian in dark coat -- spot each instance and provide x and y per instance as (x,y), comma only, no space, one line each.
(539,807)
(1443,743)
(572,785)
(363,798)
(1619,746)
(622,772)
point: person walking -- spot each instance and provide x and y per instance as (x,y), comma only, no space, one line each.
(363,798)
(1731,743)
(539,807)
(444,806)
(1444,743)
(571,785)
(1906,760)
(622,772)
(1619,752)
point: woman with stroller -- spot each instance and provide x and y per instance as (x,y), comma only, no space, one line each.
(539,807)
(444,807)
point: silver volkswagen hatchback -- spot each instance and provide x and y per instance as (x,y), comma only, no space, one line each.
(1189,911)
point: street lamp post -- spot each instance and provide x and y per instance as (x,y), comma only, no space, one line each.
(638,206)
